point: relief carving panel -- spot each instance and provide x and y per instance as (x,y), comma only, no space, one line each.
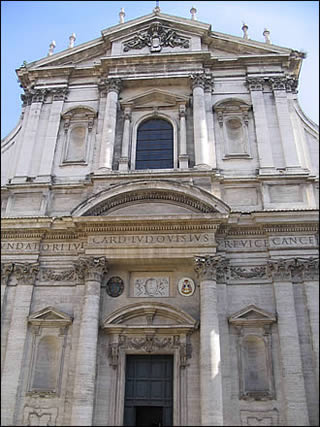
(151,287)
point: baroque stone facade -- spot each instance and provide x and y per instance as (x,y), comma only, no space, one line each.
(201,247)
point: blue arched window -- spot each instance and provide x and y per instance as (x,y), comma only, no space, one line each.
(154,145)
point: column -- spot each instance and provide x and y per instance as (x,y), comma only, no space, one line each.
(201,143)
(111,87)
(6,270)
(255,86)
(292,162)
(210,357)
(14,358)
(209,116)
(183,156)
(29,137)
(311,288)
(58,97)
(92,270)
(290,356)
(124,159)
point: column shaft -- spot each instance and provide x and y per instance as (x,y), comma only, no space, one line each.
(210,363)
(112,88)
(292,375)
(201,146)
(183,156)
(85,375)
(15,345)
(312,296)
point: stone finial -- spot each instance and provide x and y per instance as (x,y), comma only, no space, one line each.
(193,12)
(266,35)
(244,28)
(72,39)
(52,45)
(121,16)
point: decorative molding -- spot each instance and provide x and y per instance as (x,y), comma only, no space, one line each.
(91,268)
(259,418)
(211,267)
(258,271)
(26,273)
(51,275)
(38,416)
(139,196)
(149,344)
(156,37)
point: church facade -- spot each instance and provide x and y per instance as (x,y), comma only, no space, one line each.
(160,234)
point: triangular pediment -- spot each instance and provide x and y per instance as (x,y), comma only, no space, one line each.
(177,34)
(251,316)
(50,316)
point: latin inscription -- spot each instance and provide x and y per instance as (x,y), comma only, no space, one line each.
(200,239)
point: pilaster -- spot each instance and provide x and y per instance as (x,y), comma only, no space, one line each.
(58,97)
(255,86)
(280,86)
(124,160)
(91,269)
(36,97)
(25,276)
(183,156)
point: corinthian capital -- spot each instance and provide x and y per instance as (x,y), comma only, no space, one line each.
(255,83)
(108,85)
(26,273)
(6,270)
(210,267)
(39,95)
(91,268)
(199,80)
(59,94)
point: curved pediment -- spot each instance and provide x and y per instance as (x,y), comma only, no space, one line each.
(149,315)
(145,198)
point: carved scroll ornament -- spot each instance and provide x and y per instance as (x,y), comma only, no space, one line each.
(156,37)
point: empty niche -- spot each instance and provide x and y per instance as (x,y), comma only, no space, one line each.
(76,145)
(255,365)
(46,364)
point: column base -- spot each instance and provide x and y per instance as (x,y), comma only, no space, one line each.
(43,179)
(268,171)
(183,161)
(123,164)
(102,171)
(296,170)
(19,180)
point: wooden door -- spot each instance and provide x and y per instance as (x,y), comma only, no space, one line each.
(148,390)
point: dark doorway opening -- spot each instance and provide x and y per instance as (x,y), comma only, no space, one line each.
(148,391)
(149,416)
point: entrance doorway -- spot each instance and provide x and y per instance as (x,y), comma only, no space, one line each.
(148,391)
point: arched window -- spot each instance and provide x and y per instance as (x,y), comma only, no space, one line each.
(154,145)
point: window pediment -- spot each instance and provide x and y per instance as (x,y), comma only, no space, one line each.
(155,98)
(49,316)
(252,316)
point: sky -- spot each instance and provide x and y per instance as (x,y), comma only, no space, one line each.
(28,27)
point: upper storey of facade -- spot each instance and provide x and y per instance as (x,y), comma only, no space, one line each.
(168,98)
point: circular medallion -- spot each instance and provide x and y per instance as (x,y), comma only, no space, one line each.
(186,287)
(114,286)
